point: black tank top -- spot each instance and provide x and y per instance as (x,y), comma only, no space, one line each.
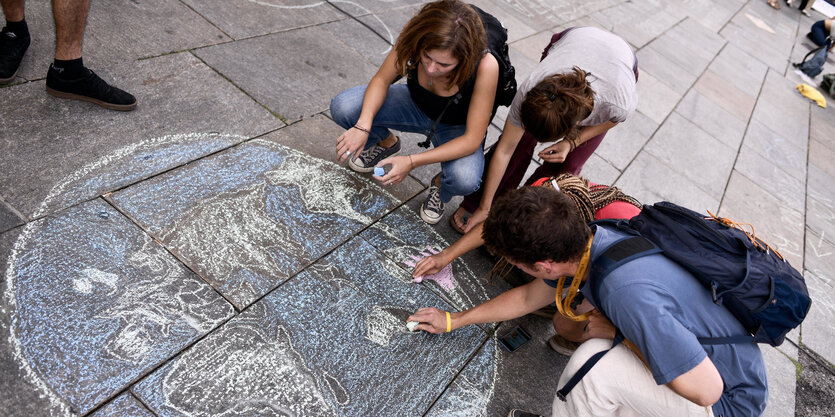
(433,105)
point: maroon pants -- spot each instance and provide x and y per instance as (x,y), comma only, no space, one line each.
(521,158)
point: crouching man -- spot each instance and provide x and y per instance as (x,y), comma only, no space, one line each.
(662,369)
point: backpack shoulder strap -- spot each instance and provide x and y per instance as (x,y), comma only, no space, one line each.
(622,251)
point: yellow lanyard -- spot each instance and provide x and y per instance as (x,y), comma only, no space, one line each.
(564,306)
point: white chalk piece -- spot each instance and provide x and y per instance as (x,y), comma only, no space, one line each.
(379,171)
(411,325)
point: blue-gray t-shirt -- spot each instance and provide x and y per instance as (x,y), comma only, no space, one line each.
(662,309)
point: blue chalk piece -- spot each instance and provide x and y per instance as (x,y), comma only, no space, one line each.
(379,171)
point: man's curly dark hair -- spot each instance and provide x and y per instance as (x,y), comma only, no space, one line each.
(535,224)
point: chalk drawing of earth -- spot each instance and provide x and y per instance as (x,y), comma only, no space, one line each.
(135,306)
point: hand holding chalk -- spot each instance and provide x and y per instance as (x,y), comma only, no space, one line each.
(379,171)
(411,325)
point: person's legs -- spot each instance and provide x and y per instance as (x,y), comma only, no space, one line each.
(13,10)
(514,172)
(460,176)
(67,77)
(817,33)
(620,384)
(398,112)
(70,18)
(14,40)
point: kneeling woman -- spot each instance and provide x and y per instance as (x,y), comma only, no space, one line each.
(449,94)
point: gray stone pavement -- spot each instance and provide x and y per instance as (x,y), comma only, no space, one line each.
(204,255)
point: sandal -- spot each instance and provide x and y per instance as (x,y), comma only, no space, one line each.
(454,225)
(774,4)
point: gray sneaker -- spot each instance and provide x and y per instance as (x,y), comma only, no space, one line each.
(432,209)
(369,158)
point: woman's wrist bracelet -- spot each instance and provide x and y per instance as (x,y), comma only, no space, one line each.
(411,163)
(573,145)
(362,129)
(448,322)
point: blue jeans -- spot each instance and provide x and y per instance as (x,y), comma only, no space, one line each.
(460,176)
(818,33)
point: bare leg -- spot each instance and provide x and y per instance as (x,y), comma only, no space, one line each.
(70,18)
(13,10)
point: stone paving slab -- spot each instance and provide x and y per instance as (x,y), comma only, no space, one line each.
(712,118)
(624,142)
(539,15)
(247,18)
(290,350)
(689,45)
(90,316)
(66,151)
(117,32)
(782,374)
(671,74)
(710,14)
(722,92)
(655,99)
(526,378)
(692,152)
(9,217)
(739,69)
(818,329)
(650,180)
(249,218)
(125,405)
(789,190)
(756,25)
(782,109)
(748,202)
(787,153)
(319,63)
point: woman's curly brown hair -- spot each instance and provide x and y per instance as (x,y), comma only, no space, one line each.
(555,106)
(448,25)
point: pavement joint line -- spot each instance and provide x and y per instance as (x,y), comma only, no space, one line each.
(222,75)
(742,142)
(460,370)
(170,251)
(356,19)
(206,19)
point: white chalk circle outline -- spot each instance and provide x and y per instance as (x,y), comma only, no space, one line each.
(28,373)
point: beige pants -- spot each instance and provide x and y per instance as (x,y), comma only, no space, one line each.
(619,385)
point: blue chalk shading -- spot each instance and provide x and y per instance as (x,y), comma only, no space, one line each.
(137,166)
(99,303)
(247,219)
(124,405)
(307,349)
(404,237)
(379,171)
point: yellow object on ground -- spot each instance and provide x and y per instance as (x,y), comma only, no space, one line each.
(812,93)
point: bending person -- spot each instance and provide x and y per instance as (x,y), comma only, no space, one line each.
(449,94)
(661,369)
(593,202)
(584,86)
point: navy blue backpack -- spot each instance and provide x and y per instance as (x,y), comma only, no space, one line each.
(755,283)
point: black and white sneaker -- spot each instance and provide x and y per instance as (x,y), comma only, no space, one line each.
(369,158)
(432,209)
(12,49)
(89,88)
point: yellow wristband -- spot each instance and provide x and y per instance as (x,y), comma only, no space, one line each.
(448,322)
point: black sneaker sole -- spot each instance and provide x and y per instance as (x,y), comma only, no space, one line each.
(106,105)
(4,81)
